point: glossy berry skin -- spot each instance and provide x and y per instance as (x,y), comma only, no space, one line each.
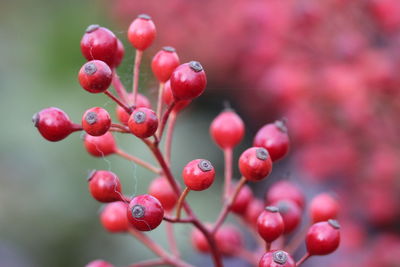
(143,122)
(119,54)
(142,32)
(162,190)
(141,101)
(188,81)
(113,217)
(105,186)
(255,164)
(96,121)
(277,258)
(227,129)
(53,124)
(242,200)
(145,212)
(164,63)
(270,224)
(274,138)
(198,174)
(99,43)
(291,214)
(283,190)
(323,207)
(95,76)
(323,238)
(100,146)
(168,98)
(99,263)
(254,209)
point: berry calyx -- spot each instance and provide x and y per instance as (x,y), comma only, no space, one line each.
(242,200)
(283,190)
(164,63)
(95,76)
(198,174)
(274,138)
(141,101)
(96,121)
(291,214)
(142,32)
(145,212)
(255,164)
(143,122)
(323,207)
(270,224)
(323,238)
(113,217)
(161,189)
(168,98)
(99,43)
(188,81)
(277,258)
(99,263)
(105,186)
(100,146)
(227,129)
(53,124)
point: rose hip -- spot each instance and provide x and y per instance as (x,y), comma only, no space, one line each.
(323,238)
(95,76)
(270,224)
(53,124)
(145,212)
(227,129)
(323,207)
(96,121)
(188,81)
(143,122)
(142,32)
(277,258)
(100,146)
(164,63)
(255,164)
(105,186)
(198,174)
(162,190)
(113,217)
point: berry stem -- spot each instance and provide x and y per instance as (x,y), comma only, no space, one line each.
(160,100)
(268,246)
(228,171)
(175,220)
(136,69)
(303,259)
(165,119)
(168,140)
(180,202)
(169,228)
(138,161)
(119,88)
(153,262)
(123,128)
(116,100)
(76,127)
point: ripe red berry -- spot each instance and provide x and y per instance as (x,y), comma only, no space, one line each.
(145,212)
(254,209)
(242,200)
(143,122)
(164,63)
(188,81)
(99,43)
(95,76)
(255,164)
(142,32)
(323,207)
(162,190)
(96,121)
(229,240)
(119,55)
(168,98)
(227,129)
(285,190)
(198,174)
(323,238)
(274,138)
(291,214)
(53,124)
(141,101)
(270,224)
(99,263)
(100,146)
(198,240)
(277,258)
(105,186)
(113,217)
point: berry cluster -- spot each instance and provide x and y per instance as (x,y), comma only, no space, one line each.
(271,220)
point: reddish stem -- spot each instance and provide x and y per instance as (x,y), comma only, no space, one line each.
(138,161)
(76,127)
(119,88)
(164,120)
(180,202)
(168,139)
(136,69)
(169,227)
(121,127)
(160,100)
(303,259)
(228,172)
(154,262)
(116,100)
(175,220)
(268,246)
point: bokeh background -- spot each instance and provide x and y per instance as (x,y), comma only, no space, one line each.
(330,67)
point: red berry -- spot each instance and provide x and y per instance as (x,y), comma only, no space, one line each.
(164,63)
(162,190)
(254,209)
(242,200)
(270,224)
(119,55)
(143,122)
(323,238)
(53,124)
(277,258)
(99,263)
(274,138)
(100,146)
(198,174)
(95,76)
(188,81)
(227,129)
(291,214)
(168,98)
(142,32)
(99,43)
(105,186)
(255,164)
(229,240)
(96,121)
(113,217)
(141,101)
(323,207)
(145,212)
(285,190)
(198,240)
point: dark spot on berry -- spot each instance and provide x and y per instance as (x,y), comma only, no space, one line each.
(91,117)
(92,28)
(205,165)
(90,175)
(283,207)
(280,257)
(281,125)
(138,211)
(139,117)
(196,66)
(335,224)
(262,153)
(169,49)
(144,16)
(35,119)
(272,209)
(90,68)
